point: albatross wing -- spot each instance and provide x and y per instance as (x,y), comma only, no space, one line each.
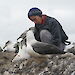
(44,48)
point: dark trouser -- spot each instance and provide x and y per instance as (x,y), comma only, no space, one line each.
(46,37)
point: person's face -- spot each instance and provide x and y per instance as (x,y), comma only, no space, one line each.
(36,19)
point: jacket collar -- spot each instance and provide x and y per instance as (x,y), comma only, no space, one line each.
(43,19)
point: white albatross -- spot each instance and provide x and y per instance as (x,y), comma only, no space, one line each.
(36,48)
(9,46)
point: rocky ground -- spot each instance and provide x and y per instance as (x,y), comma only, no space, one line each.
(53,65)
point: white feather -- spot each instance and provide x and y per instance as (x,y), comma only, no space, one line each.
(31,40)
(22,54)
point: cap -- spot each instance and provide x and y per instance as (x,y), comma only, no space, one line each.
(34,12)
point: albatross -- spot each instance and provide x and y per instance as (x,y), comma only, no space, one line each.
(9,46)
(36,48)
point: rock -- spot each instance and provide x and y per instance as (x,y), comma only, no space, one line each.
(62,64)
(6,73)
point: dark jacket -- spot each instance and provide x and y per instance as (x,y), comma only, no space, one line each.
(54,27)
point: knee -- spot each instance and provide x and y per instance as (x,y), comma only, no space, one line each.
(45,36)
(43,32)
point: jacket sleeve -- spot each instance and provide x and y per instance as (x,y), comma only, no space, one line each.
(55,31)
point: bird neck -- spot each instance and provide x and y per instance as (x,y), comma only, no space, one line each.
(30,37)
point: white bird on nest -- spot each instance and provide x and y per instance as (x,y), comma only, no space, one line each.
(34,48)
(9,46)
(40,49)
